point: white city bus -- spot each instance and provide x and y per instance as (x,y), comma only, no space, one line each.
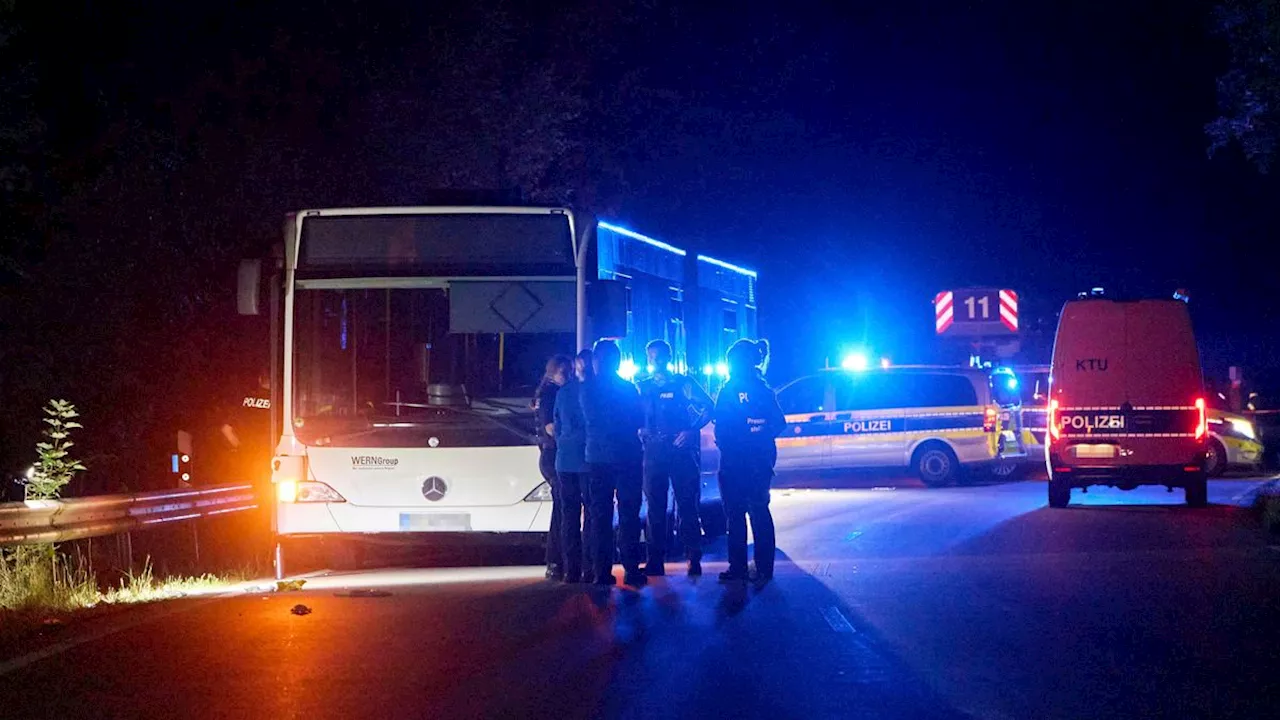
(407,343)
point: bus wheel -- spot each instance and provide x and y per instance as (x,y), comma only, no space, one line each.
(1197,492)
(1216,461)
(935,464)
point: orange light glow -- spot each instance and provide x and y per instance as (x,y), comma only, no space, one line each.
(1202,424)
(287,491)
(1054,430)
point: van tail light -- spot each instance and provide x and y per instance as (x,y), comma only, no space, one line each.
(1202,422)
(1055,431)
(989,420)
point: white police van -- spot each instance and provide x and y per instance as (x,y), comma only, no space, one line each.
(936,420)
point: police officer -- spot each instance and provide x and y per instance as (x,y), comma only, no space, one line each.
(544,403)
(675,410)
(611,409)
(574,503)
(748,420)
(244,427)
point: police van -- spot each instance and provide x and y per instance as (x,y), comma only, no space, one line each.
(938,421)
(1126,399)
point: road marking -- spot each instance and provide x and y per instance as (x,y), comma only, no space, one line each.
(854,535)
(836,619)
(820,569)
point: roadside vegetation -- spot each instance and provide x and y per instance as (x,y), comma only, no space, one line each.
(40,578)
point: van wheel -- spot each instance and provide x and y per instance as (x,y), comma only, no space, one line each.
(1197,492)
(1216,459)
(936,465)
(1059,494)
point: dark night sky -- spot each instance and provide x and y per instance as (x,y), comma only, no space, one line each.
(862,156)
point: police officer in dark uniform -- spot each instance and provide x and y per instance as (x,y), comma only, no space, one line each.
(613,418)
(675,409)
(544,403)
(574,503)
(748,421)
(245,447)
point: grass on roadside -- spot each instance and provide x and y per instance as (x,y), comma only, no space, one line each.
(38,578)
(34,577)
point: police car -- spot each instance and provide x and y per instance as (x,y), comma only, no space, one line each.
(1233,443)
(936,420)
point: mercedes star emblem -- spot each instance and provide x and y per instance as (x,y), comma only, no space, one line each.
(434,488)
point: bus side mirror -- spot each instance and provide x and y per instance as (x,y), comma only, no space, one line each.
(607,308)
(249,287)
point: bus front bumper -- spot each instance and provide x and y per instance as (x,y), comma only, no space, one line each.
(341,518)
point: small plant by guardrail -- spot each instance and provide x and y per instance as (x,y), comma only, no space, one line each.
(56,468)
(31,575)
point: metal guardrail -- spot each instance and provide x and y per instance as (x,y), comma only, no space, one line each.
(42,521)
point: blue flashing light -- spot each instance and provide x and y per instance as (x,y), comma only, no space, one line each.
(642,238)
(884,363)
(627,370)
(1012,383)
(722,369)
(708,369)
(727,266)
(856,361)
(175,464)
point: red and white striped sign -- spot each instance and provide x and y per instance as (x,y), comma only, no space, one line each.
(944,312)
(1009,309)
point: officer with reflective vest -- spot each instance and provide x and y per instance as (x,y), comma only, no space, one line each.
(675,410)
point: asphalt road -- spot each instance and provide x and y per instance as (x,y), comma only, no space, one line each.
(896,602)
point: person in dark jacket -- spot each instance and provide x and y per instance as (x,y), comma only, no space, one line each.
(675,410)
(571,467)
(611,408)
(544,402)
(748,421)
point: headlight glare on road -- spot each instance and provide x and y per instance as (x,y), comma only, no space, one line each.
(542,493)
(1243,428)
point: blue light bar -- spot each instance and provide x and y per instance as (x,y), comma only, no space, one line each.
(727,266)
(642,238)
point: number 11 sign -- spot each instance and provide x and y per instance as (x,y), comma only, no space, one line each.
(976,312)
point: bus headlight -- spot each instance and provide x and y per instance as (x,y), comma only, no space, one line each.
(542,493)
(290,491)
(1243,428)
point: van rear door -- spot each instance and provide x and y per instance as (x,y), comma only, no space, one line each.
(1126,375)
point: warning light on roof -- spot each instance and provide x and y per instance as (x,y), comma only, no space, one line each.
(856,361)
(884,363)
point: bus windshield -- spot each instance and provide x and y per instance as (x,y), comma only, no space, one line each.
(365,358)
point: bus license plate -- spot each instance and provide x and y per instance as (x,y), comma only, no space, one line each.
(435,522)
(1095,451)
